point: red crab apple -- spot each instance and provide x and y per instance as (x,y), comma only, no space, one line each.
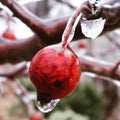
(82,45)
(35,117)
(9,35)
(54,73)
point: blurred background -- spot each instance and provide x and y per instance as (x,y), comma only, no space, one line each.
(95,98)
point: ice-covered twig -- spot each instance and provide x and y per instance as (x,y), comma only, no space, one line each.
(99,77)
(52,30)
(99,67)
(18,51)
(13,70)
(69,31)
(23,95)
(25,50)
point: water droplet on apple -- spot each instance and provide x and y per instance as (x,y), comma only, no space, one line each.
(48,106)
(45,103)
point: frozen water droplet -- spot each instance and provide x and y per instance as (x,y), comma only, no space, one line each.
(92,28)
(48,106)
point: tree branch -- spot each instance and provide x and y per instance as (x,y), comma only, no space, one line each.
(52,30)
(48,33)
(13,70)
(20,50)
(100,67)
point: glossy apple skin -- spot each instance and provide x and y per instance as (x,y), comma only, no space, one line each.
(55,73)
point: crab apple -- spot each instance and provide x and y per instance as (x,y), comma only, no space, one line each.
(9,35)
(35,117)
(54,73)
(82,45)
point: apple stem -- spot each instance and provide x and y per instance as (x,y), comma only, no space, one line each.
(69,31)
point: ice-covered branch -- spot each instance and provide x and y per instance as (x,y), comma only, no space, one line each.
(99,67)
(13,70)
(17,51)
(48,33)
(88,64)
(52,30)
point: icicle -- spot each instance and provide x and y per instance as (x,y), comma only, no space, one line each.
(92,28)
(48,106)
